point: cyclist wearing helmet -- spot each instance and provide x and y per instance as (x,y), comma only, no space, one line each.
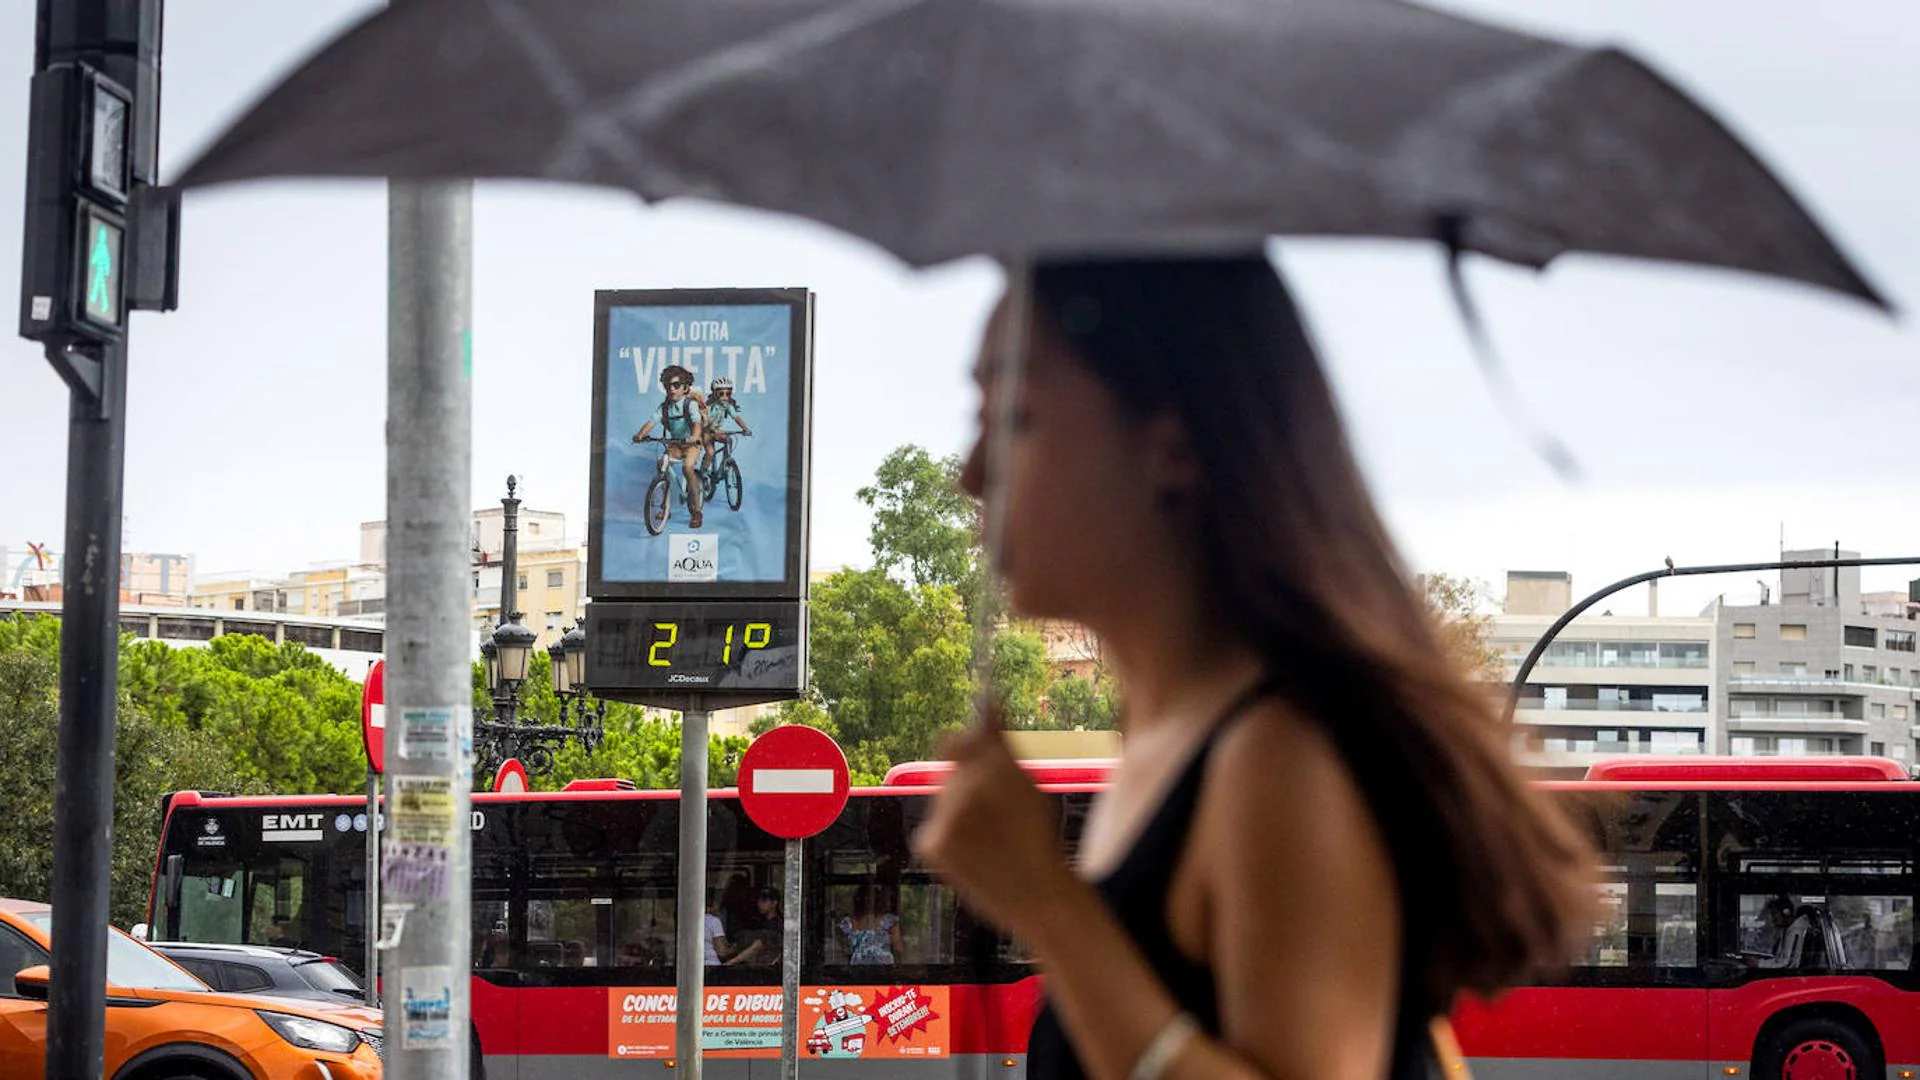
(721,408)
(682,429)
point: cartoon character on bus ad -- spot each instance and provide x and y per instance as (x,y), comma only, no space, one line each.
(841,1030)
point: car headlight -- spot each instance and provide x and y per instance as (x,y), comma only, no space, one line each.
(312,1034)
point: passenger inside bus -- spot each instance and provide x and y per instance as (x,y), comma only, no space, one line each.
(761,945)
(1791,929)
(872,937)
(713,934)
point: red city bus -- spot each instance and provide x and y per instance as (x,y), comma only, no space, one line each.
(1757,920)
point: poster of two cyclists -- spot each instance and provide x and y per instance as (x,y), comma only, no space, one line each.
(699,439)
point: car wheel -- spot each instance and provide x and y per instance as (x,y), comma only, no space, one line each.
(1815,1049)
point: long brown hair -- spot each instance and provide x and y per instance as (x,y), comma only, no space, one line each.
(1493,881)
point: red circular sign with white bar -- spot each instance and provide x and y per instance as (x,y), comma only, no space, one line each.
(373,715)
(794,781)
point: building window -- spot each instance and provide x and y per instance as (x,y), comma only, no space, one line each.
(1877,710)
(1675,742)
(1555,697)
(1688,654)
(1897,640)
(1793,631)
(1743,667)
(533,527)
(239,603)
(1794,671)
(1846,672)
(1833,673)
(1679,702)
(1878,749)
(1860,637)
(1743,746)
(1743,630)
(520,582)
(1899,712)
(1870,673)
(556,621)
(556,579)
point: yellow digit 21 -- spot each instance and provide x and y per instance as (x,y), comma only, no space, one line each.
(654,658)
(762,631)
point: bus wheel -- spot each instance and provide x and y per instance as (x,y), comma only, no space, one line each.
(1815,1049)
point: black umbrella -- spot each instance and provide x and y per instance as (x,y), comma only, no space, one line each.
(941,128)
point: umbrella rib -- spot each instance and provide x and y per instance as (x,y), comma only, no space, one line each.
(670,89)
(567,91)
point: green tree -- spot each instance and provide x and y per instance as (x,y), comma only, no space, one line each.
(156,750)
(1076,702)
(890,662)
(1020,677)
(924,527)
(644,748)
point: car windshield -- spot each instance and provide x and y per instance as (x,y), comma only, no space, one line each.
(131,965)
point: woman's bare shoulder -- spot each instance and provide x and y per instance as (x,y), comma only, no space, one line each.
(1272,751)
(1277,775)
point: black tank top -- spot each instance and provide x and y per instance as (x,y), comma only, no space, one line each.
(1136,891)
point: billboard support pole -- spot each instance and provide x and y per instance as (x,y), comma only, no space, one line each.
(690,946)
(427,870)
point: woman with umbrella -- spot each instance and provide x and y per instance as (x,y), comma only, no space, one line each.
(1314,841)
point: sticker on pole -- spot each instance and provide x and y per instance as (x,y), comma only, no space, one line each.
(373,715)
(793,781)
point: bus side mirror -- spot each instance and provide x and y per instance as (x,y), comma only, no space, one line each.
(170,913)
(31,983)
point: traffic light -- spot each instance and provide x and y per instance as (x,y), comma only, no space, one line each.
(100,239)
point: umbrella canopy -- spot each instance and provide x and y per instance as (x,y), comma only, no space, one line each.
(1022,128)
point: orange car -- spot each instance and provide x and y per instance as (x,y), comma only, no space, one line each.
(161,1021)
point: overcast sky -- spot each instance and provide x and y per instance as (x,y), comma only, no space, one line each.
(1713,414)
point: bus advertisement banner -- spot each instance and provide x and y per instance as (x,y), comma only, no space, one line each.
(699,449)
(836,1022)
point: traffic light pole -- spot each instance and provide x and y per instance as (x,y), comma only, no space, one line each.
(98,241)
(89,661)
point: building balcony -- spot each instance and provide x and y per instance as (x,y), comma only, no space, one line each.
(1799,725)
(1800,684)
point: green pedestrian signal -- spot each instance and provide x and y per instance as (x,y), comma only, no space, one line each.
(102,241)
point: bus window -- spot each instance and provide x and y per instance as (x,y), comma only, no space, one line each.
(1820,882)
(569,913)
(1648,917)
(644,901)
(210,905)
(278,908)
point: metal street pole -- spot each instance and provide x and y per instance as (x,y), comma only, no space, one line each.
(426,867)
(790,966)
(690,930)
(83,777)
(372,959)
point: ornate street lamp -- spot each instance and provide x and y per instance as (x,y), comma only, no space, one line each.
(557,663)
(513,643)
(507,651)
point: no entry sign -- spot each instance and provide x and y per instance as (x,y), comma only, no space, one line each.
(793,781)
(373,715)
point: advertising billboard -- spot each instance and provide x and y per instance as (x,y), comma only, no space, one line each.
(700,443)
